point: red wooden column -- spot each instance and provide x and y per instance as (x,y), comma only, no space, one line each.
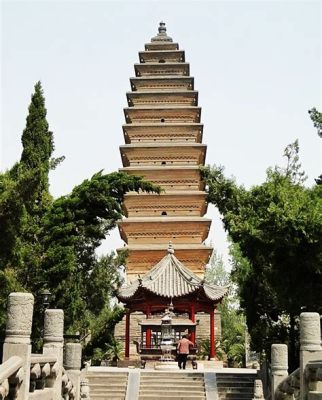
(212,334)
(148,331)
(193,319)
(127,334)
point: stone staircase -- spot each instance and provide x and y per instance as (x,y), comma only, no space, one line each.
(136,384)
(170,385)
(107,385)
(235,386)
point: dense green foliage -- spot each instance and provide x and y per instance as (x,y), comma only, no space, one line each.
(278,228)
(47,243)
(232,343)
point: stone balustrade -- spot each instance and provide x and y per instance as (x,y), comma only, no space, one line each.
(305,383)
(53,375)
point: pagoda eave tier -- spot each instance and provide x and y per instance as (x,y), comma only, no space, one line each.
(158,230)
(165,114)
(161,46)
(164,97)
(168,133)
(170,177)
(163,154)
(162,69)
(141,258)
(171,204)
(161,56)
(152,83)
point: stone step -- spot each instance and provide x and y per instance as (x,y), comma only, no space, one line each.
(235,390)
(109,385)
(106,396)
(178,374)
(228,381)
(106,376)
(97,389)
(240,377)
(112,381)
(110,392)
(167,373)
(236,396)
(190,385)
(235,384)
(170,397)
(173,377)
(169,379)
(175,393)
(172,384)
(110,373)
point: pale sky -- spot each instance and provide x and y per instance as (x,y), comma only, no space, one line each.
(257,67)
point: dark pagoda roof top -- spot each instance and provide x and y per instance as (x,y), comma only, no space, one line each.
(162,34)
(170,278)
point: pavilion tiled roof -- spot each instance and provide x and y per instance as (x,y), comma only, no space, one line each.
(170,278)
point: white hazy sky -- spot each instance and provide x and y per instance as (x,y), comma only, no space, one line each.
(257,67)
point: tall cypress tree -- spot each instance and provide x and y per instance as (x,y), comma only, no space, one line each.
(33,181)
(35,163)
(24,197)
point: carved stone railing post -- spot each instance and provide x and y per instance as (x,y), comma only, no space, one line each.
(84,390)
(18,331)
(72,364)
(310,346)
(279,365)
(54,344)
(258,390)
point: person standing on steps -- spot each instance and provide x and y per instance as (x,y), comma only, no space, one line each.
(183,351)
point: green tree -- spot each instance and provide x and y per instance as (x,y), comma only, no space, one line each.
(73,229)
(277,226)
(232,342)
(47,243)
(24,197)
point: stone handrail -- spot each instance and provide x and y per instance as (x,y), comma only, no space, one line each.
(10,374)
(289,388)
(54,374)
(43,359)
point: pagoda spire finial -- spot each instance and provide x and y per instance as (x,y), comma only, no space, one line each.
(162,34)
(162,28)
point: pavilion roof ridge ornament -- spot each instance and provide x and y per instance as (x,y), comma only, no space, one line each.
(162,34)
